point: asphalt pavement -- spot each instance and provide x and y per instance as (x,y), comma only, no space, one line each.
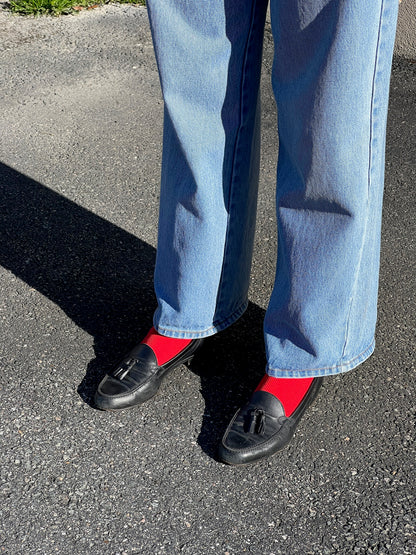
(80,146)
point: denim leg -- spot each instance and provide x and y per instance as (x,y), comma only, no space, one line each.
(331,81)
(209,60)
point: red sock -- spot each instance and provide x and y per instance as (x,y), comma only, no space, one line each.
(165,348)
(289,391)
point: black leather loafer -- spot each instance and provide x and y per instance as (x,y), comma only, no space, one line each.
(138,377)
(261,427)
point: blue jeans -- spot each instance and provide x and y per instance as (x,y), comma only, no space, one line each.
(331,81)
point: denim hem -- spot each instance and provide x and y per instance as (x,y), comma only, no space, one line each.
(216,327)
(324,371)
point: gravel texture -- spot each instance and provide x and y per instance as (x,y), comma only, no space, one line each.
(80,143)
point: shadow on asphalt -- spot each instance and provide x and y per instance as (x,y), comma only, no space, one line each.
(230,365)
(102,277)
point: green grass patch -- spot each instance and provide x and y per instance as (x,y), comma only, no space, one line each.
(59,7)
(139,2)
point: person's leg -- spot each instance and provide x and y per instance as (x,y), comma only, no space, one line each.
(331,81)
(209,60)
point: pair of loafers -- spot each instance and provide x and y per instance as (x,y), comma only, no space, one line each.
(257,431)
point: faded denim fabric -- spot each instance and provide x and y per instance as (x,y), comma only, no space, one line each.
(331,81)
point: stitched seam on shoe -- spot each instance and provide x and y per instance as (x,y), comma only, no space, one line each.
(122,395)
(248,449)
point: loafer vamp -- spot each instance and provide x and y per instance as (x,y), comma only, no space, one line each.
(240,439)
(259,429)
(137,377)
(135,380)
